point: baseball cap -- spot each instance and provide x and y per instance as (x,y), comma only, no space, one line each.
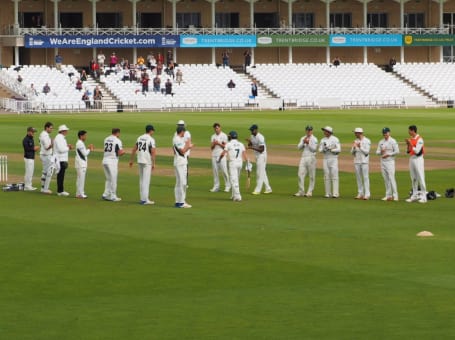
(31,129)
(308,128)
(253,127)
(328,129)
(63,128)
(181,122)
(149,128)
(233,134)
(358,130)
(385,130)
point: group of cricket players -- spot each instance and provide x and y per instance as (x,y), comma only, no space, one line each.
(228,157)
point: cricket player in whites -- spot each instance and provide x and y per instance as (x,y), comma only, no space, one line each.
(330,147)
(181,147)
(236,154)
(256,142)
(388,149)
(113,149)
(46,157)
(145,148)
(416,166)
(219,164)
(307,166)
(80,163)
(361,151)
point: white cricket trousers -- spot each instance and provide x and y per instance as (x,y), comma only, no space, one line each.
(220,168)
(29,168)
(363,179)
(48,171)
(261,174)
(180,183)
(145,173)
(416,167)
(331,184)
(234,174)
(307,167)
(388,173)
(80,180)
(110,186)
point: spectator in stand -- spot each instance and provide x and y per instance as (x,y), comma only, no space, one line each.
(33,89)
(46,88)
(170,69)
(231,84)
(101,59)
(126,74)
(159,68)
(392,63)
(254,89)
(97,98)
(58,61)
(86,99)
(169,57)
(336,62)
(94,67)
(113,60)
(145,83)
(140,61)
(151,61)
(19,78)
(247,56)
(179,76)
(160,58)
(156,84)
(79,84)
(168,86)
(225,58)
(83,76)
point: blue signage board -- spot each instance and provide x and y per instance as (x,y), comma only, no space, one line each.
(217,41)
(106,41)
(365,40)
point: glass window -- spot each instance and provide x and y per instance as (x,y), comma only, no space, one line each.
(303,20)
(377,20)
(31,19)
(227,20)
(185,20)
(341,20)
(106,20)
(68,20)
(266,20)
(414,20)
(150,20)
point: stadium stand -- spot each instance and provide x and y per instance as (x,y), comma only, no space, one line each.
(435,79)
(345,86)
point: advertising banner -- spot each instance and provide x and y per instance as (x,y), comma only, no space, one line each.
(217,40)
(368,40)
(428,40)
(91,41)
(285,40)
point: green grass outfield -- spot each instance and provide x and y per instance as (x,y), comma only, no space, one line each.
(271,267)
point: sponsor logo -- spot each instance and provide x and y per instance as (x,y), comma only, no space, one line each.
(189,41)
(339,40)
(265,40)
(408,39)
(35,42)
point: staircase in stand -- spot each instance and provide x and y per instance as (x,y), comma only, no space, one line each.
(109,102)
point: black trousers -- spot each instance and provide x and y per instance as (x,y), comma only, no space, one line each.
(61,176)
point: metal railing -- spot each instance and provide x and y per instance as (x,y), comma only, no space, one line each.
(47,31)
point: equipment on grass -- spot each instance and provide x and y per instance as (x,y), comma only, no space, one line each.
(3,168)
(449,193)
(14,187)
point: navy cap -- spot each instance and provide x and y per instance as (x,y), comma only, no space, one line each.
(233,134)
(149,128)
(385,130)
(253,127)
(309,128)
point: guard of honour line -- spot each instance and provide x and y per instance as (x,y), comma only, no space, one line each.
(228,157)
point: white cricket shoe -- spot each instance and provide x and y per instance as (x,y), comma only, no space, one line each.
(186,205)
(299,194)
(269,191)
(412,199)
(83,196)
(63,193)
(116,199)
(148,202)
(214,190)
(29,189)
(46,191)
